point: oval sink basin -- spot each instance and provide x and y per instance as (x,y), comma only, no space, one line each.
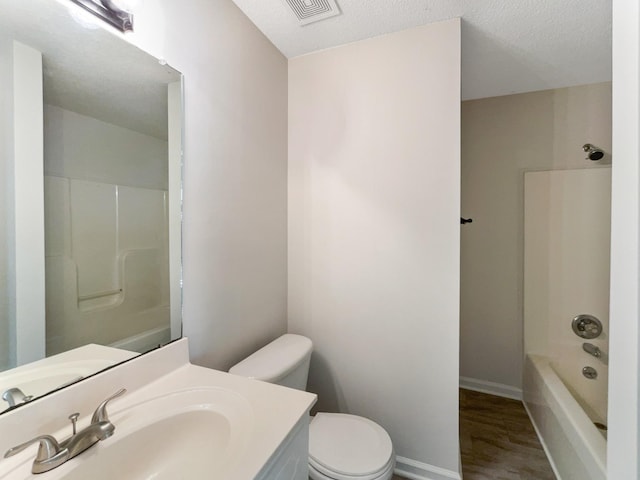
(189,434)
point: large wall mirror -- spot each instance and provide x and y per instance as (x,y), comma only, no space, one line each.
(90,160)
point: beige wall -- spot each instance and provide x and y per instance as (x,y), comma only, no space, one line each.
(503,137)
(235,173)
(374,192)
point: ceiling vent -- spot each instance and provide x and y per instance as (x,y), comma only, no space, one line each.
(309,11)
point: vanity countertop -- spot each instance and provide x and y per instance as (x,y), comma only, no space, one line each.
(262,416)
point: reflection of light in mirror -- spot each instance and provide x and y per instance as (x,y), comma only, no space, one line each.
(84,18)
(125,5)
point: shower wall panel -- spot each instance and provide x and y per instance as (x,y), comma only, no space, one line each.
(567,245)
(107,266)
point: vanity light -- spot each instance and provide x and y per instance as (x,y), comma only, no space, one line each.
(116,13)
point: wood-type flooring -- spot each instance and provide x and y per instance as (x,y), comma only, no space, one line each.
(497,440)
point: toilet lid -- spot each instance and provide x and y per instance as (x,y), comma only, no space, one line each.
(348,444)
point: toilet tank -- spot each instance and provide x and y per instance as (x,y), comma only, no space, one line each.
(285,361)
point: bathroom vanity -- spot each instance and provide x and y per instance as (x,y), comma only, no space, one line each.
(176,420)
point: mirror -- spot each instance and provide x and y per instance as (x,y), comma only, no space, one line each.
(90,260)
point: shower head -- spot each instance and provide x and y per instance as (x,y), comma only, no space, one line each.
(593,152)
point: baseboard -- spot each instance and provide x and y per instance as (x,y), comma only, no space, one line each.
(543,443)
(414,470)
(492,388)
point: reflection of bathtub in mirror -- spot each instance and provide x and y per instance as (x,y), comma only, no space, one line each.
(43,376)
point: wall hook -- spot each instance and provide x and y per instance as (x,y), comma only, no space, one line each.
(465,220)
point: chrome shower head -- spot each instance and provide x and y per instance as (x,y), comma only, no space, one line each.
(593,153)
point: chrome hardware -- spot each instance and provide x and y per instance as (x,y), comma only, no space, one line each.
(593,153)
(74,419)
(591,349)
(52,454)
(48,448)
(15,396)
(586,326)
(590,373)
(100,415)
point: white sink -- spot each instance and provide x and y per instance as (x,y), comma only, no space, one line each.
(196,433)
(176,421)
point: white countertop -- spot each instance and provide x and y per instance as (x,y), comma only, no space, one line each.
(273,410)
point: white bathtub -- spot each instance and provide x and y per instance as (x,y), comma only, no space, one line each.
(575,447)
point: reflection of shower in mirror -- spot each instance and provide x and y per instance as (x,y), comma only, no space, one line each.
(97,255)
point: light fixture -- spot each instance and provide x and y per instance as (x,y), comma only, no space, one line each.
(116,13)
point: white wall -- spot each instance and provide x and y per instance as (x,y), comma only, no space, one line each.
(374,192)
(235,173)
(85,148)
(502,137)
(28,202)
(7,267)
(624,367)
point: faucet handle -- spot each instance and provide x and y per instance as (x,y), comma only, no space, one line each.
(48,448)
(100,415)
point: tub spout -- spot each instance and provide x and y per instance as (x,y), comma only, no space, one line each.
(591,349)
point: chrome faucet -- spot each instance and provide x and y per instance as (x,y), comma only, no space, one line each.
(52,454)
(591,349)
(15,396)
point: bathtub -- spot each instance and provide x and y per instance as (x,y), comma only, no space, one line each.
(574,445)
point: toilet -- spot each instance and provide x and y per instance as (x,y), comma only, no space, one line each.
(341,446)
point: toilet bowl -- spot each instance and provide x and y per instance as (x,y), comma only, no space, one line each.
(341,446)
(349,447)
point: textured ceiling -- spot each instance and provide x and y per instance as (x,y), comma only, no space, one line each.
(508,46)
(91,72)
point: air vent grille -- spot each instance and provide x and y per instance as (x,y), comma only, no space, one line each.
(309,11)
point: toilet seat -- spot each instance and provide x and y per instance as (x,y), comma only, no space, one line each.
(349,447)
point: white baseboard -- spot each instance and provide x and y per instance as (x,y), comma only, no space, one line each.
(414,470)
(492,388)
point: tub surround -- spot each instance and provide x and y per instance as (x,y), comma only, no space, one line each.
(501,138)
(278,415)
(566,273)
(573,444)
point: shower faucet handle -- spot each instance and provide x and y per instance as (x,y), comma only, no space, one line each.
(591,349)
(586,326)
